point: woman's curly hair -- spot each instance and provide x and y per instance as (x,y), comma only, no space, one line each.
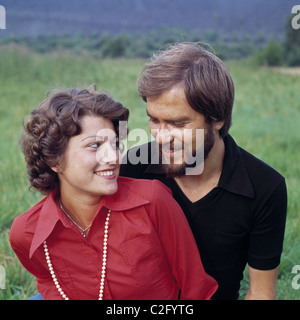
(50,126)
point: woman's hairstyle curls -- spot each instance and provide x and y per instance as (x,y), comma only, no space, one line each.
(50,126)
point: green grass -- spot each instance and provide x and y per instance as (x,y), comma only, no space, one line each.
(265,122)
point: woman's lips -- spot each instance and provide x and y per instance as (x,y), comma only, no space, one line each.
(106,174)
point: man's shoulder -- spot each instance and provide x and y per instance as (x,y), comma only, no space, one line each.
(245,174)
(258,169)
(266,181)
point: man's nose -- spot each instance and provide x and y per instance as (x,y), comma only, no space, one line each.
(162,135)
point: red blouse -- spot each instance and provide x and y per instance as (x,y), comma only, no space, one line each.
(151,251)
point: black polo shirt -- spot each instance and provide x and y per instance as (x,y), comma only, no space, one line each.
(240,221)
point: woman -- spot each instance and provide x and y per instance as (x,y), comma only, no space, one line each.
(95,235)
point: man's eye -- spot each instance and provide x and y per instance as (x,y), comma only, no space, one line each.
(153,120)
(179,124)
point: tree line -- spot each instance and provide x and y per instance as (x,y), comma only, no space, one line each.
(271,52)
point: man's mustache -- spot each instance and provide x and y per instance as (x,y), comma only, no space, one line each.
(171,146)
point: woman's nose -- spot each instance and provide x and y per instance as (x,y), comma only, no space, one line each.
(107,154)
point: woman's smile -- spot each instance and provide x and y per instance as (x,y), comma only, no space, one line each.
(108,174)
(92,161)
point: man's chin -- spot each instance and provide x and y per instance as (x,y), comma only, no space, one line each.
(173,171)
(179,170)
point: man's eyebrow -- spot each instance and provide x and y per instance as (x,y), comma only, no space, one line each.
(180,119)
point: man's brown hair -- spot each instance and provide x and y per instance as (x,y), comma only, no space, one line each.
(207,83)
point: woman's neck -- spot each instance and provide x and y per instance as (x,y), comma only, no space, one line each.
(81,208)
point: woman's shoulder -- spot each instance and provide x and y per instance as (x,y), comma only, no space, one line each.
(24,225)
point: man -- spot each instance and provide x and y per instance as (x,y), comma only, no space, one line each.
(235,204)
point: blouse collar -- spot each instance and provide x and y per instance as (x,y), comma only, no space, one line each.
(124,199)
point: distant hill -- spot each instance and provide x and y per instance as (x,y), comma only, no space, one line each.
(58,17)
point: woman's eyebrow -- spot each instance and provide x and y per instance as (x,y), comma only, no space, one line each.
(100,138)
(89,137)
(97,138)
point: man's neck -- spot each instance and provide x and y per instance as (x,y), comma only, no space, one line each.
(196,187)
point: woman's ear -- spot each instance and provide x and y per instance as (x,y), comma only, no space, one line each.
(56,165)
(56,169)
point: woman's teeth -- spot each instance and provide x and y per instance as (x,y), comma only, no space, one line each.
(104,173)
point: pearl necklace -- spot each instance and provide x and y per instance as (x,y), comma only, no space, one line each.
(104,257)
(77,225)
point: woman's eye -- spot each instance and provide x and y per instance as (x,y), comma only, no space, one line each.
(95,145)
(115,144)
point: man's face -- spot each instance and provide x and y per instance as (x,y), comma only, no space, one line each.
(173,123)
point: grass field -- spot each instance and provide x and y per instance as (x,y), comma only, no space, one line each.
(266,122)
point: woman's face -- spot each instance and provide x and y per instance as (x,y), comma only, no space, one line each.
(92,160)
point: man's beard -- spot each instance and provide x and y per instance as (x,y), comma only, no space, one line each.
(177,170)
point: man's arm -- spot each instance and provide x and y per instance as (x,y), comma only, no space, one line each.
(262,284)
(265,246)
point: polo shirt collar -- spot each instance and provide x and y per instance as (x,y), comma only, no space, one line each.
(234,177)
(124,199)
